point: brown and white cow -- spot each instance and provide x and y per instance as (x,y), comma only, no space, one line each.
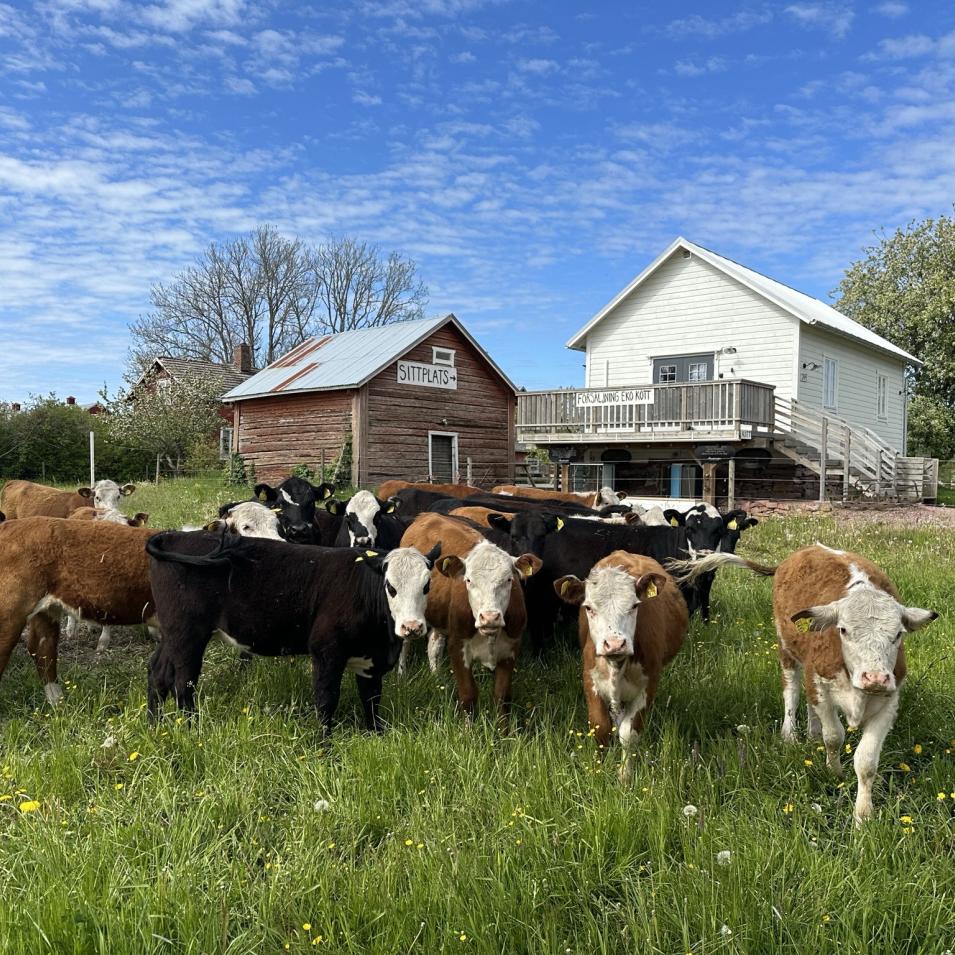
(391,488)
(102,514)
(26,499)
(633,621)
(604,497)
(476,603)
(839,621)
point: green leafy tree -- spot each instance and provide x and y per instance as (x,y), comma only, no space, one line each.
(904,289)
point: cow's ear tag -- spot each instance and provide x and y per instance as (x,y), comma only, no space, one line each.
(327,494)
(803,624)
(263,496)
(733,524)
(371,553)
(527,571)
(674,522)
(359,559)
(390,509)
(563,588)
(560,524)
(651,590)
(275,508)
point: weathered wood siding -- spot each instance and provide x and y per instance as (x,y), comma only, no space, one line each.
(276,433)
(398,417)
(689,307)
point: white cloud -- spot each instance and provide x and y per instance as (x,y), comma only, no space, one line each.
(366,99)
(465,56)
(696,25)
(833,17)
(892,8)
(538,67)
(713,64)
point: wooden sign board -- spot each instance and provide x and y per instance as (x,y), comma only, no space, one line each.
(427,376)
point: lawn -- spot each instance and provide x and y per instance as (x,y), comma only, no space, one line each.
(242,833)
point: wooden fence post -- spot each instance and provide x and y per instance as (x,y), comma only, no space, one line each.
(731,484)
(565,477)
(823,457)
(709,483)
(470,472)
(846,464)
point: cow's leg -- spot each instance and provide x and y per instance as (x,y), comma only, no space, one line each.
(833,732)
(876,728)
(630,727)
(42,641)
(503,680)
(183,652)
(463,677)
(369,692)
(813,723)
(436,644)
(69,630)
(162,675)
(705,584)
(790,703)
(404,658)
(327,673)
(598,715)
(104,639)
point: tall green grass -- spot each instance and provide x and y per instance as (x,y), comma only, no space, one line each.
(234,834)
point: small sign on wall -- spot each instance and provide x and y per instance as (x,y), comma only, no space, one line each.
(427,376)
(623,396)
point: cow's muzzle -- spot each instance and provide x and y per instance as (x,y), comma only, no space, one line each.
(410,629)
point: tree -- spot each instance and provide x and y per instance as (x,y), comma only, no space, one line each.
(904,289)
(273,292)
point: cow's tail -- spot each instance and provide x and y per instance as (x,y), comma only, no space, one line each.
(686,571)
(225,553)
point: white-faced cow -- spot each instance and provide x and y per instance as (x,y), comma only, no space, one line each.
(347,609)
(839,620)
(633,621)
(26,499)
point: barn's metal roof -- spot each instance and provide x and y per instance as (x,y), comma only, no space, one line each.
(346,360)
(804,307)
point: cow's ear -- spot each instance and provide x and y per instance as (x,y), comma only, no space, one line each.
(127,489)
(734,520)
(748,522)
(674,518)
(816,618)
(570,589)
(433,555)
(335,507)
(450,566)
(139,520)
(373,559)
(215,525)
(621,495)
(499,521)
(225,508)
(324,491)
(553,523)
(265,492)
(528,564)
(649,586)
(914,618)
(85,492)
(390,506)
(632,518)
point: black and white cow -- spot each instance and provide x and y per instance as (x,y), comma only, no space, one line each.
(370,522)
(294,500)
(348,609)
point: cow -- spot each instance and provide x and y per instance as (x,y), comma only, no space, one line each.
(840,622)
(632,623)
(249,519)
(96,570)
(370,522)
(606,495)
(139,519)
(391,488)
(347,609)
(295,500)
(26,499)
(476,603)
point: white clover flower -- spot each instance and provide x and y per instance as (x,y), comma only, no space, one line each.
(815,807)
(726,931)
(742,729)
(320,805)
(724,856)
(690,811)
(109,742)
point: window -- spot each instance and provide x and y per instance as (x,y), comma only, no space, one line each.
(442,356)
(667,373)
(830,382)
(697,371)
(225,442)
(882,397)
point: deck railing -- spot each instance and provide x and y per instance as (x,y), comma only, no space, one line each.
(706,409)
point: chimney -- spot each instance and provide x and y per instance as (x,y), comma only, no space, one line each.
(71,400)
(242,358)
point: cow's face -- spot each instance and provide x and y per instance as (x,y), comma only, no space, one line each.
(294,500)
(870,624)
(488,574)
(611,598)
(361,518)
(734,524)
(407,574)
(528,529)
(607,495)
(248,519)
(107,494)
(703,532)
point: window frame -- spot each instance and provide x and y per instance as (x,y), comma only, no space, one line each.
(444,363)
(222,432)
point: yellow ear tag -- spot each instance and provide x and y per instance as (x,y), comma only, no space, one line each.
(527,571)
(651,590)
(211,526)
(263,496)
(371,553)
(803,624)
(275,508)
(674,522)
(326,494)
(563,587)
(733,525)
(560,524)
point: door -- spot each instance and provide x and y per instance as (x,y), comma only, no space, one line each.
(442,457)
(682,368)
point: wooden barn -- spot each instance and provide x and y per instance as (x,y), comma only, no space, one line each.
(419,400)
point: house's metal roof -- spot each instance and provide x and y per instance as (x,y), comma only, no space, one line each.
(804,307)
(346,360)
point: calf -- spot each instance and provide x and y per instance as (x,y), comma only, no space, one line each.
(347,609)
(632,623)
(295,500)
(26,499)
(115,516)
(391,488)
(839,621)
(606,495)
(249,519)
(91,569)
(370,522)
(476,603)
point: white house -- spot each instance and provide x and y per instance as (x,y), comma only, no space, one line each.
(700,349)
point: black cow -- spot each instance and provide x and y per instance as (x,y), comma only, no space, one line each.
(295,500)
(414,501)
(348,609)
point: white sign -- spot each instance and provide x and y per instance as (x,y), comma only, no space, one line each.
(428,376)
(623,396)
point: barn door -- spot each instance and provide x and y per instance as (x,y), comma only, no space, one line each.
(442,457)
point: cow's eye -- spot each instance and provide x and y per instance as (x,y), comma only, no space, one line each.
(391,590)
(427,586)
(634,608)
(589,609)
(898,636)
(842,631)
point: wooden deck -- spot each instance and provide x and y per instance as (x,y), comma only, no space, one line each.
(702,411)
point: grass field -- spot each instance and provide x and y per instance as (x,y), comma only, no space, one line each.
(243,834)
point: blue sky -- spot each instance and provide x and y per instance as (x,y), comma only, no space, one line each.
(531,157)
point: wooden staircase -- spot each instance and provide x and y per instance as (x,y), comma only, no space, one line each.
(829,446)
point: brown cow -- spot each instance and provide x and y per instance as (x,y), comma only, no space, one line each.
(26,499)
(605,496)
(391,488)
(633,621)
(476,602)
(839,620)
(97,570)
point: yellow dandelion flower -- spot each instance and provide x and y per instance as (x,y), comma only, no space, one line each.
(463,937)
(420,845)
(825,917)
(941,797)
(905,820)
(119,786)
(848,748)
(905,767)
(30,805)
(807,762)
(908,830)
(917,749)
(331,845)
(5,798)
(788,808)
(306,926)
(317,940)
(133,757)
(409,842)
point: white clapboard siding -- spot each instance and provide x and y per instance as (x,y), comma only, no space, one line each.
(856,384)
(686,306)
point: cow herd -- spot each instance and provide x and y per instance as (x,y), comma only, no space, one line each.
(355,584)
